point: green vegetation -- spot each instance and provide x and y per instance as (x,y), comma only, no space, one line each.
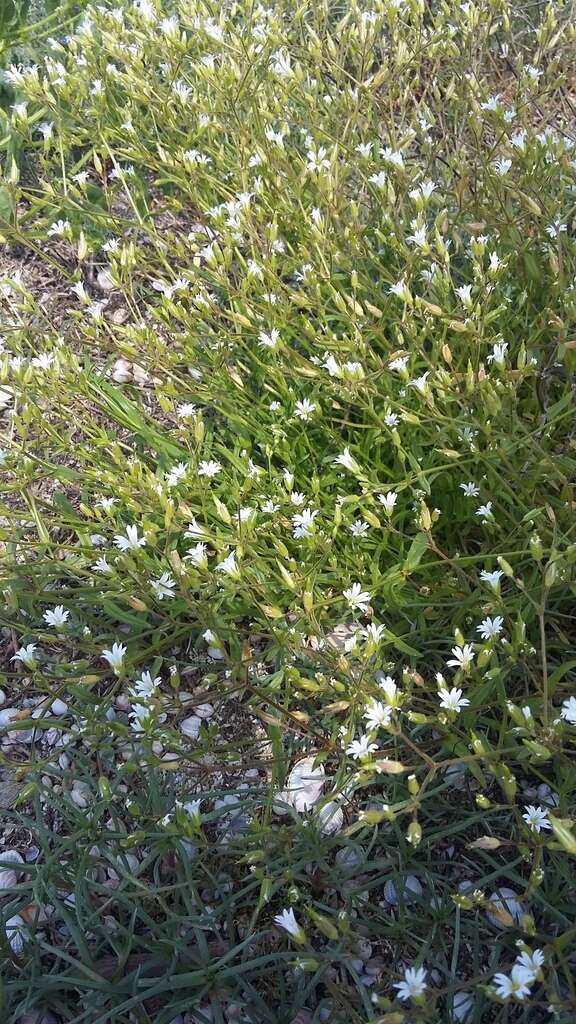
(288,541)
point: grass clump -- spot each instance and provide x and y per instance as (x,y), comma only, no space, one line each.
(288,519)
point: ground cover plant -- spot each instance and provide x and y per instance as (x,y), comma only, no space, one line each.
(288,538)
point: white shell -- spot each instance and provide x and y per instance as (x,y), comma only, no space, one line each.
(16,933)
(204,711)
(462,1006)
(412,888)
(506,900)
(191,727)
(9,876)
(305,784)
(6,716)
(331,818)
(81,794)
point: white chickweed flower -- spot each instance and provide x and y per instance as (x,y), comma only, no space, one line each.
(357,598)
(490,628)
(414,983)
(463,657)
(163,586)
(536,818)
(568,712)
(515,985)
(56,616)
(452,699)
(115,656)
(287,921)
(130,542)
(361,748)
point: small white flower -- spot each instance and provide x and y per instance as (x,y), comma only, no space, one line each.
(518,140)
(348,461)
(464,293)
(377,715)
(269,340)
(304,409)
(197,555)
(318,161)
(303,522)
(516,985)
(361,748)
(228,566)
(106,503)
(378,179)
(536,818)
(59,228)
(498,353)
(452,699)
(186,410)
(146,686)
(392,156)
(373,632)
(401,289)
(130,542)
(420,383)
(531,961)
(287,921)
(491,103)
(115,656)
(359,528)
(101,565)
(25,654)
(471,490)
(568,712)
(195,530)
(502,166)
(163,586)
(392,694)
(414,983)
(364,149)
(209,468)
(56,616)
(490,628)
(492,578)
(357,598)
(463,657)
(177,473)
(485,511)
(391,419)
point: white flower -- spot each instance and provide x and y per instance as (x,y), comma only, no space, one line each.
(420,383)
(361,748)
(106,503)
(491,103)
(287,921)
(502,166)
(378,179)
(374,633)
(56,616)
(516,985)
(348,461)
(471,490)
(359,528)
(490,628)
(399,364)
(182,91)
(518,140)
(115,656)
(140,716)
(392,156)
(304,409)
(357,598)
(391,419)
(464,293)
(531,961)
(414,983)
(498,354)
(197,555)
(452,699)
(317,162)
(568,712)
(146,686)
(25,654)
(209,468)
(297,498)
(269,340)
(402,290)
(186,410)
(228,566)
(303,522)
(536,818)
(130,542)
(163,586)
(377,715)
(364,149)
(463,657)
(492,578)
(485,511)
(391,692)
(59,228)
(195,530)
(101,565)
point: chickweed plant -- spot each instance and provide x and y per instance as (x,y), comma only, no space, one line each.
(288,536)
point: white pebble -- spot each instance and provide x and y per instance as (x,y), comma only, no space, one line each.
(58,707)
(191,727)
